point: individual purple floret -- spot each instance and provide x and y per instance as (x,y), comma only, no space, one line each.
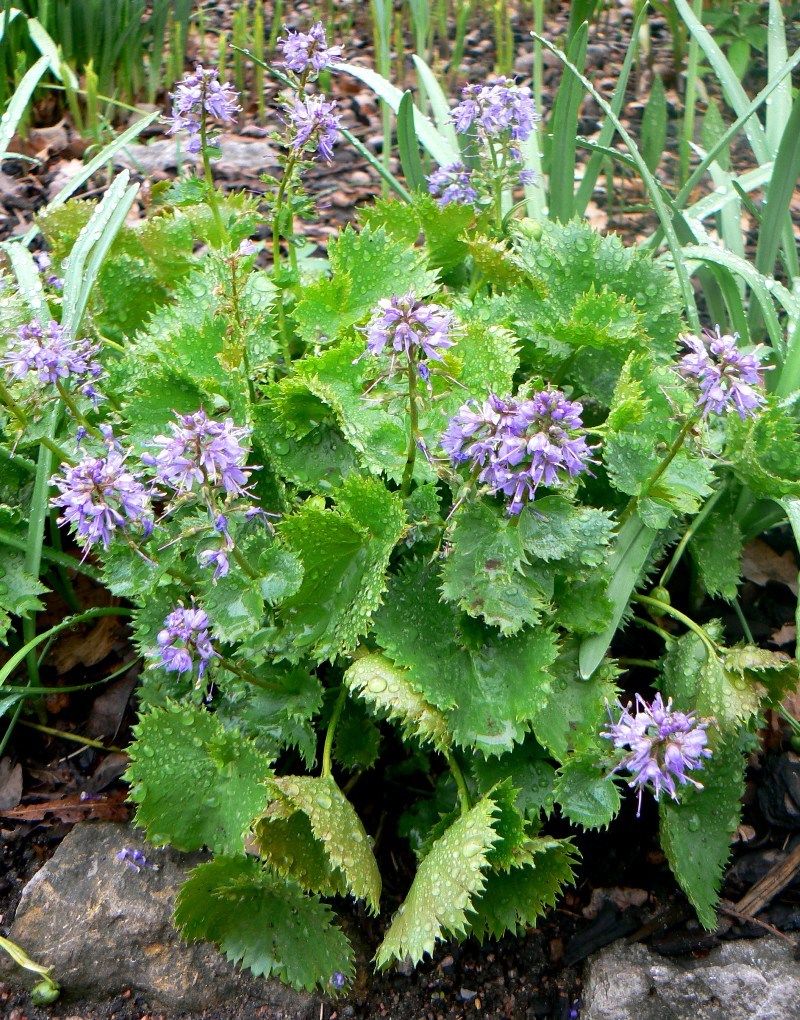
(184,640)
(452,183)
(727,376)
(308,51)
(43,264)
(338,980)
(411,326)
(202,451)
(218,558)
(518,445)
(200,93)
(494,108)
(315,125)
(662,745)
(134,859)
(54,356)
(99,495)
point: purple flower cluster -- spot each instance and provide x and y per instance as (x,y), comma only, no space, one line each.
(195,96)
(54,356)
(452,183)
(662,745)
(728,377)
(315,125)
(308,51)
(495,108)
(411,326)
(99,495)
(201,451)
(517,445)
(184,641)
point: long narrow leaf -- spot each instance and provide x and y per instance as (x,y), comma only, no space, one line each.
(29,280)
(439,146)
(18,104)
(440,108)
(44,43)
(595,164)
(782,185)
(408,146)
(626,562)
(564,127)
(780,107)
(105,155)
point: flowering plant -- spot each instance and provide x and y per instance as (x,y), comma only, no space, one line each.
(421,491)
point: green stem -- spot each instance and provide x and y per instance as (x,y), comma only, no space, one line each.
(75,738)
(245,674)
(676,614)
(461,784)
(659,471)
(680,549)
(743,622)
(211,191)
(71,621)
(76,412)
(413,427)
(21,958)
(644,663)
(336,715)
(14,407)
(61,559)
(242,562)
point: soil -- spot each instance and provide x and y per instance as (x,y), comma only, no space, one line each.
(625,888)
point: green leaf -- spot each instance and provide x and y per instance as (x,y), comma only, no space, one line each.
(552,528)
(586,793)
(195,784)
(723,687)
(389,691)
(765,451)
(336,826)
(514,900)
(19,590)
(358,739)
(484,572)
(344,552)
(365,267)
(450,877)
(530,772)
(263,922)
(716,548)
(576,708)
(654,124)
(488,687)
(696,832)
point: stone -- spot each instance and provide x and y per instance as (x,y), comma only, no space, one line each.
(743,980)
(105,928)
(239,156)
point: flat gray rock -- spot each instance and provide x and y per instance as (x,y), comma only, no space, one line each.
(104,928)
(744,980)
(239,156)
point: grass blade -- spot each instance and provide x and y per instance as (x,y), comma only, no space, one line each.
(776,208)
(440,107)
(408,145)
(18,104)
(780,106)
(564,128)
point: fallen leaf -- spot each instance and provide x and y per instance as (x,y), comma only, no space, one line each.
(761,564)
(107,808)
(621,897)
(10,784)
(109,707)
(785,635)
(87,648)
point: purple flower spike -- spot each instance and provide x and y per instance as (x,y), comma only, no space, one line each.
(134,859)
(315,125)
(200,452)
(662,745)
(411,326)
(198,93)
(518,445)
(99,495)
(53,355)
(308,51)
(183,640)
(495,108)
(452,183)
(729,379)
